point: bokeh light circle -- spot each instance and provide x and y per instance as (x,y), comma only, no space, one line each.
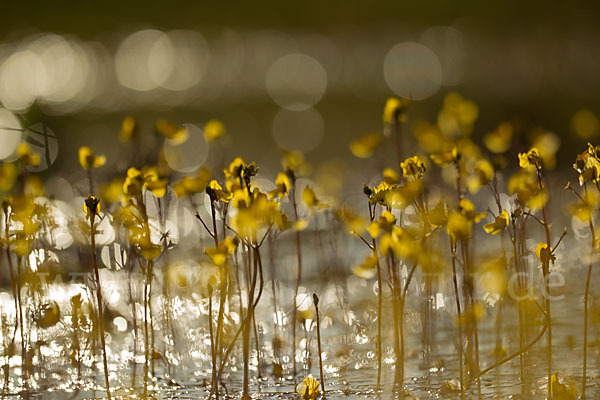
(10,133)
(302,130)
(144,60)
(412,70)
(296,81)
(189,155)
(22,79)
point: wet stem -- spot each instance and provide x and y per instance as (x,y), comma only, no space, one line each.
(546,267)
(459,314)
(586,305)
(519,304)
(254,258)
(18,311)
(298,279)
(379,301)
(99,298)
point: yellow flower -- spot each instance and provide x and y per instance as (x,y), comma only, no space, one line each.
(310,198)
(352,223)
(429,137)
(295,161)
(438,216)
(588,165)
(8,176)
(146,179)
(467,209)
(390,176)
(499,224)
(128,129)
(587,207)
(28,157)
(458,225)
(530,159)
(132,186)
(457,116)
(493,275)
(140,237)
(219,254)
(308,388)
(111,192)
(216,192)
(367,269)
(412,166)
(400,242)
(483,173)
(526,186)
(171,131)
(461,220)
(238,174)
(544,253)
(300,225)
(189,185)
(153,182)
(385,223)
(91,206)
(547,144)
(214,130)
(446,158)
(282,186)
(499,140)
(87,158)
(364,146)
(395,110)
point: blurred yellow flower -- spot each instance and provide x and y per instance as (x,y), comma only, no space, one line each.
(128,129)
(367,269)
(395,110)
(8,176)
(87,158)
(190,185)
(365,146)
(27,156)
(457,116)
(295,161)
(214,130)
(483,173)
(499,225)
(111,192)
(308,388)
(499,140)
(171,131)
(446,158)
(438,216)
(390,176)
(352,223)
(585,124)
(219,254)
